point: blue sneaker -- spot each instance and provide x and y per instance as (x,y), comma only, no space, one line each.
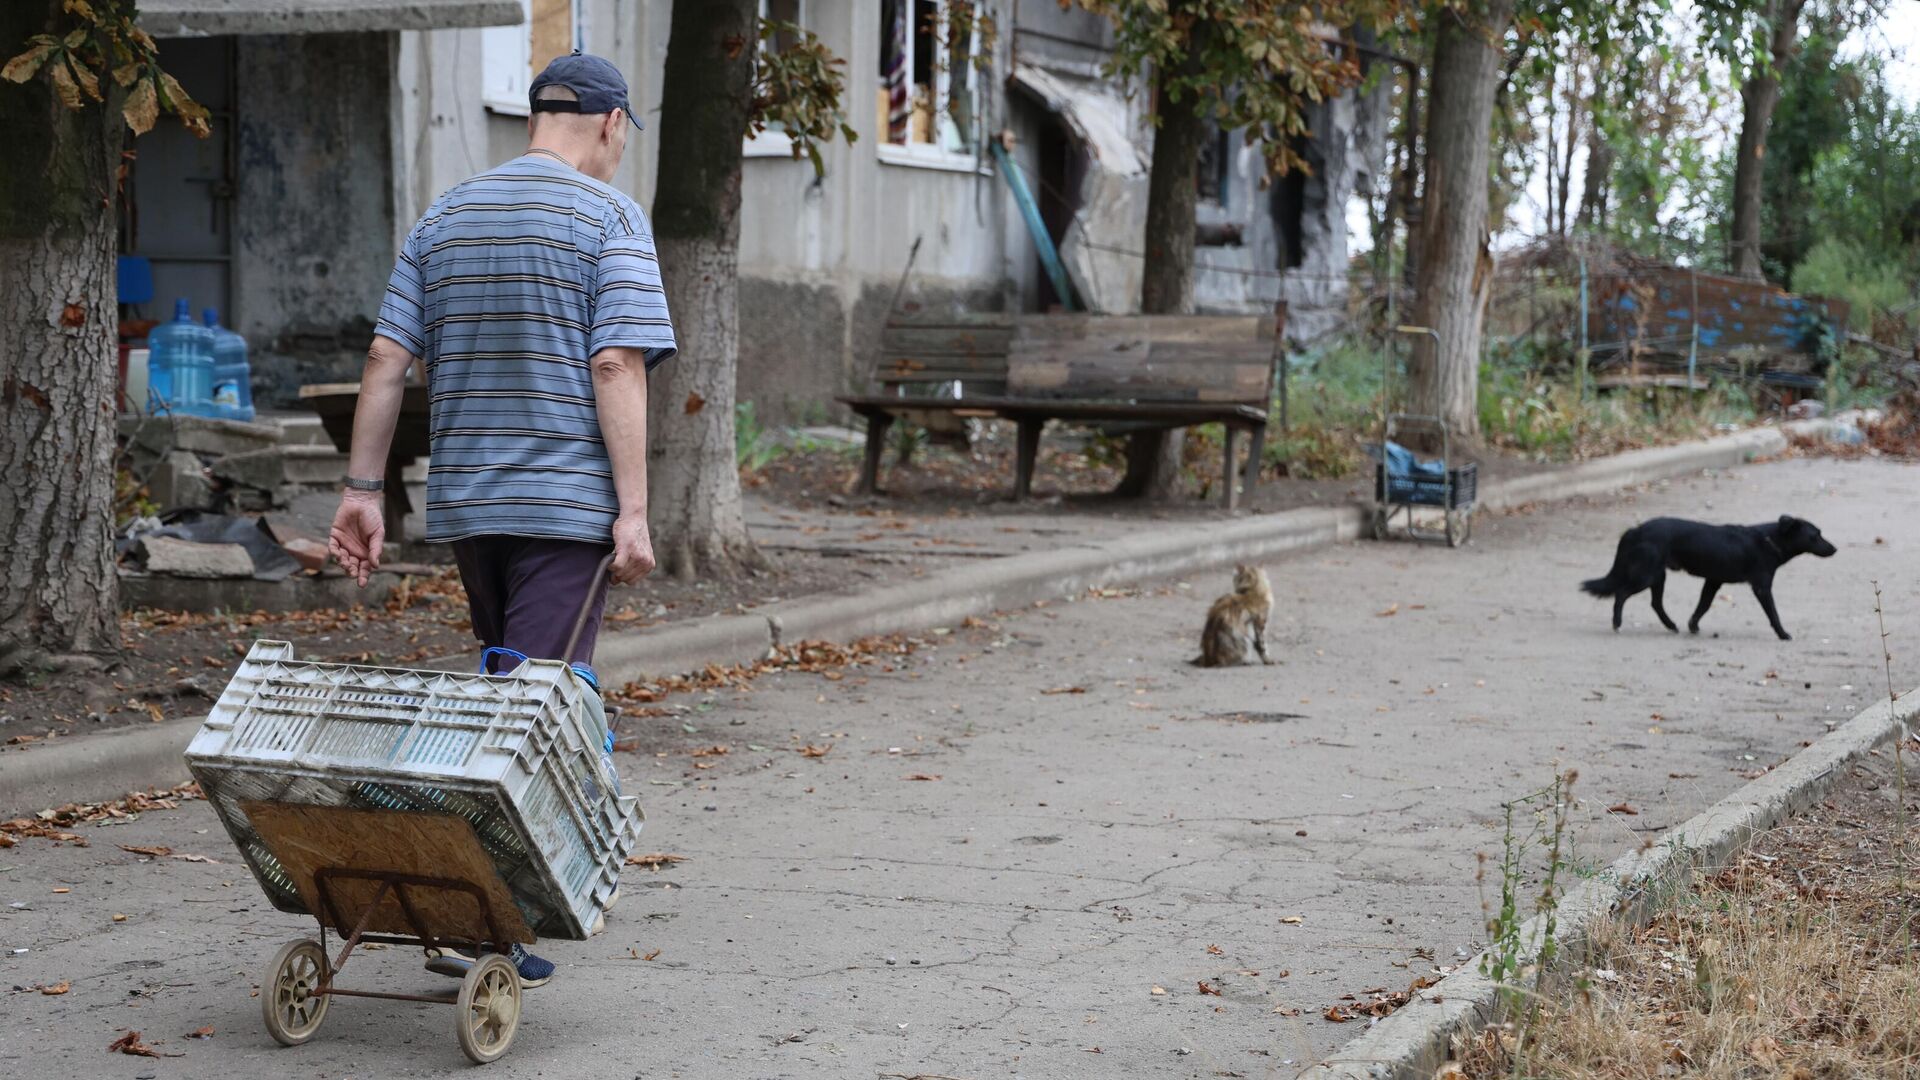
(454,963)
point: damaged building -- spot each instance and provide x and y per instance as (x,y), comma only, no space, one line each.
(335,126)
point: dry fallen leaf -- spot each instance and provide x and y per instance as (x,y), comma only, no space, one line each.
(654,861)
(1065,690)
(156,851)
(200,1033)
(713,751)
(1623,808)
(651,955)
(1158,991)
(1392,609)
(814,751)
(1216,950)
(130,1044)
(1205,988)
(1290,919)
(117,917)
(62,889)
(195,858)
(1336,1014)
(921,776)
(56,989)
(1282,1010)
(154,711)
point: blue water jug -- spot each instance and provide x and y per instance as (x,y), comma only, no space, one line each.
(180,364)
(232,377)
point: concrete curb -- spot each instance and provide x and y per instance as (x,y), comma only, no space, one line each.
(95,767)
(1413,1043)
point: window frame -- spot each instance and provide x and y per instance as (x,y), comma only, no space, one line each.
(773,142)
(935,155)
(506,59)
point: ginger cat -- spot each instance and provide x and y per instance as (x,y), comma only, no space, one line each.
(1238,621)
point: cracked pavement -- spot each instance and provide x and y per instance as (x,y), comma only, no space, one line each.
(1284,835)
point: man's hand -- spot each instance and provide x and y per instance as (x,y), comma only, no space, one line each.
(632,548)
(360,531)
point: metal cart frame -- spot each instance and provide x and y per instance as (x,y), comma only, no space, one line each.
(300,984)
(1454,495)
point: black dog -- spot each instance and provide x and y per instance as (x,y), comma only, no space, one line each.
(1721,554)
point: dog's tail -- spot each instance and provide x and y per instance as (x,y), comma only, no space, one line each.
(1600,586)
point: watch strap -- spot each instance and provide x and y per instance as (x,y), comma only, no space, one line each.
(358,484)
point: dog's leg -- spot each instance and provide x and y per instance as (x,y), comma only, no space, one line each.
(1659,589)
(1707,590)
(1619,602)
(1763,591)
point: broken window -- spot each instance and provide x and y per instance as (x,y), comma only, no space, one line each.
(928,87)
(510,56)
(773,141)
(1215,166)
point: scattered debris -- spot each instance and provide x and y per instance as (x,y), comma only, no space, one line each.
(655,861)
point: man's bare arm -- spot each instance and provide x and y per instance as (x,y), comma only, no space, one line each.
(620,397)
(382,388)
(359,529)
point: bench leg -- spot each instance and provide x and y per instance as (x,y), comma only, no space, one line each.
(1257,446)
(877,425)
(1228,479)
(1026,453)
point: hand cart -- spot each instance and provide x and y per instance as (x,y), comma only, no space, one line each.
(418,808)
(398,878)
(1452,489)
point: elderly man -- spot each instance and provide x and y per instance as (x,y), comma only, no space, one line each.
(532,293)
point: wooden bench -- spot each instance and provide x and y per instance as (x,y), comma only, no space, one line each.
(1146,372)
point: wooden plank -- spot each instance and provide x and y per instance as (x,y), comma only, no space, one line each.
(1138,371)
(307,838)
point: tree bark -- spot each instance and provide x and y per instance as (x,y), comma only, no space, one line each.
(59,597)
(1758,96)
(1595,186)
(1166,287)
(695,510)
(1455,272)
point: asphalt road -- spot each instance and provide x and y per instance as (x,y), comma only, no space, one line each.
(1283,835)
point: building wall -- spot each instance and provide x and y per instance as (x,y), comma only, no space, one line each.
(313,214)
(820,257)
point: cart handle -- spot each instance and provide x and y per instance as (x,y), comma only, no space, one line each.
(600,578)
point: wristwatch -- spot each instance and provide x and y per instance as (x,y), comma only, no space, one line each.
(358,484)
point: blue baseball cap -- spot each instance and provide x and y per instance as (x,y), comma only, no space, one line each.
(596,84)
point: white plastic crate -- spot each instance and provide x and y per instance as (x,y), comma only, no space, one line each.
(519,756)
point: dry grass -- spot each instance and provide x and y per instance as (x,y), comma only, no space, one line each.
(1798,961)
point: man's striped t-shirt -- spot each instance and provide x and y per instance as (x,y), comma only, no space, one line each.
(506,288)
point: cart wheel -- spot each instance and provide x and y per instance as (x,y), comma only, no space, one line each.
(288,1004)
(488,1011)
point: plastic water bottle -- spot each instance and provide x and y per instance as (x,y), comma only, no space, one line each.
(180,365)
(232,377)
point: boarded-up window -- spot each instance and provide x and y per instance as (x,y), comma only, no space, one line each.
(510,56)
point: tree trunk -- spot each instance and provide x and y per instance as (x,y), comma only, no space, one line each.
(1594,188)
(59,597)
(1758,96)
(1166,287)
(1455,272)
(695,507)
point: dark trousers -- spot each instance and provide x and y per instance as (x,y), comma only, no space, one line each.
(525,593)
